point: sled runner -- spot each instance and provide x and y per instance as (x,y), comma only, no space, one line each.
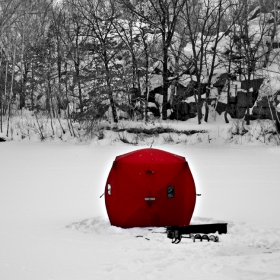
(194,232)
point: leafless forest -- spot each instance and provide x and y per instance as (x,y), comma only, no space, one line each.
(82,61)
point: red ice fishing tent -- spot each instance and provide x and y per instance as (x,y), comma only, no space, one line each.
(150,187)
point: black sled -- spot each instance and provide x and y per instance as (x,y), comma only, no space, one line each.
(194,232)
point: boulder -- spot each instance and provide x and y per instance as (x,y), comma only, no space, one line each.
(244,99)
(263,103)
(221,107)
(240,112)
(265,113)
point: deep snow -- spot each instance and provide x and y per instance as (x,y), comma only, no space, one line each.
(53,225)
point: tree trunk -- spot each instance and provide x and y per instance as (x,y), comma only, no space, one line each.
(228,88)
(77,71)
(67,111)
(165,82)
(247,107)
(109,88)
(1,104)
(50,104)
(146,83)
(59,59)
(199,103)
(11,92)
(32,88)
(23,83)
(206,105)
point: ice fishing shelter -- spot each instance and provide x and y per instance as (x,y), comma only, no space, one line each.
(150,187)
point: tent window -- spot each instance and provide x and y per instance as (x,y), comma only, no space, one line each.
(109,188)
(170,192)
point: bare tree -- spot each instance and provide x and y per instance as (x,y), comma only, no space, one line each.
(205,29)
(138,40)
(99,17)
(252,40)
(162,16)
(31,27)
(8,16)
(73,37)
(129,33)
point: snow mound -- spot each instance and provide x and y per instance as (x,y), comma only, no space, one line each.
(96,225)
(239,234)
(252,236)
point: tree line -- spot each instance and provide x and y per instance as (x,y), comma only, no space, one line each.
(83,56)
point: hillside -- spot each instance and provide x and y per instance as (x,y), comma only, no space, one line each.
(93,62)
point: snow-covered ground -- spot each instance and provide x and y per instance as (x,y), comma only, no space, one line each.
(53,225)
